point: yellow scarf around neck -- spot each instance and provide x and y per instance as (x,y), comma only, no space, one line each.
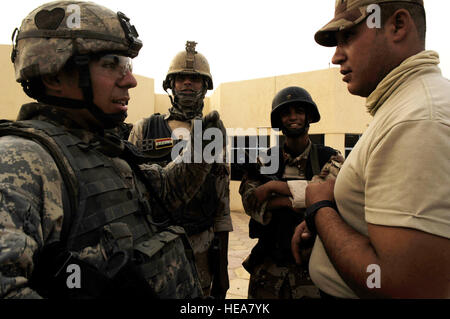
(414,65)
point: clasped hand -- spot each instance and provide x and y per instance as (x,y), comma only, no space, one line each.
(315,192)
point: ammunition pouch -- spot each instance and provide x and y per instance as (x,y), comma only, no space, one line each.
(120,278)
(101,208)
(167,262)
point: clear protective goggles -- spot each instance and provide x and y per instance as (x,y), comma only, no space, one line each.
(115,65)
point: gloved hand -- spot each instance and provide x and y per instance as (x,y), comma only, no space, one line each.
(208,137)
(212,120)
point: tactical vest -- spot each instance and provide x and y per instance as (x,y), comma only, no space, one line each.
(198,215)
(106,203)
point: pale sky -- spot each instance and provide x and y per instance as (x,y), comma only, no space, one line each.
(242,39)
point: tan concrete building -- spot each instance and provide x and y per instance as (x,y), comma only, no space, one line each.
(244,104)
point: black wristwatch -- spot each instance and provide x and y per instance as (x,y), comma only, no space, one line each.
(311,211)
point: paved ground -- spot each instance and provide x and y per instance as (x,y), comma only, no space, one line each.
(240,246)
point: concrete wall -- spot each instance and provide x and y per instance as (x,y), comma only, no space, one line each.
(142,99)
(244,104)
(247,104)
(11,95)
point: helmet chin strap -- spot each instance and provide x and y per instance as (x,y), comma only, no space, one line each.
(185,107)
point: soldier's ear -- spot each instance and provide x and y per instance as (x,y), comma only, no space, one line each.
(400,25)
(51,82)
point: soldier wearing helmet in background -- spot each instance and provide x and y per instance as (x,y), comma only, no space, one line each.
(276,203)
(206,218)
(74,197)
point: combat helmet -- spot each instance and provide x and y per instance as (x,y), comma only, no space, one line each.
(186,106)
(57,31)
(293,95)
(188,62)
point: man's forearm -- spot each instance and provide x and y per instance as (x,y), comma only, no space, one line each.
(279,202)
(349,251)
(176,183)
(265,191)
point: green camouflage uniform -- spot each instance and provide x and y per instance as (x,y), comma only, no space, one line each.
(216,187)
(206,218)
(277,276)
(31,199)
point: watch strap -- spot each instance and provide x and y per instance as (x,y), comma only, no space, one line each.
(311,211)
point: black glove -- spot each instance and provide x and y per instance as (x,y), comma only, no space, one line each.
(199,142)
(212,120)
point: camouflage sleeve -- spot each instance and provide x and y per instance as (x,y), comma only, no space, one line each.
(252,206)
(331,168)
(30,211)
(177,183)
(137,132)
(222,218)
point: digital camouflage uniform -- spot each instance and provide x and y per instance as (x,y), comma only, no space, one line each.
(209,211)
(213,202)
(31,206)
(70,196)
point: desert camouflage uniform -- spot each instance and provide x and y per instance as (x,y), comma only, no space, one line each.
(201,242)
(31,199)
(277,276)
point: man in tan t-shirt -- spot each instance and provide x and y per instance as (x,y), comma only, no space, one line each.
(389,234)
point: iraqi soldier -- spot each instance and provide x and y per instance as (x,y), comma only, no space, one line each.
(207,218)
(74,198)
(276,204)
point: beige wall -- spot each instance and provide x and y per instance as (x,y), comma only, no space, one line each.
(162,103)
(142,99)
(11,95)
(243,104)
(247,104)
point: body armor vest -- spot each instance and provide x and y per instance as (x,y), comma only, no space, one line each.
(157,140)
(198,215)
(99,197)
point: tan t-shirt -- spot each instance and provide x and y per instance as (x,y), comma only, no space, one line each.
(398,174)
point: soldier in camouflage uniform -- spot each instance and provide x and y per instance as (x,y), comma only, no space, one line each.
(207,218)
(73,195)
(276,207)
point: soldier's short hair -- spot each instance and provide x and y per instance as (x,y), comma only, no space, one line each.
(417,13)
(35,88)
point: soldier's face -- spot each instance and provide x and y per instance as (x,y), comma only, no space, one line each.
(362,53)
(188,83)
(293,117)
(111,79)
